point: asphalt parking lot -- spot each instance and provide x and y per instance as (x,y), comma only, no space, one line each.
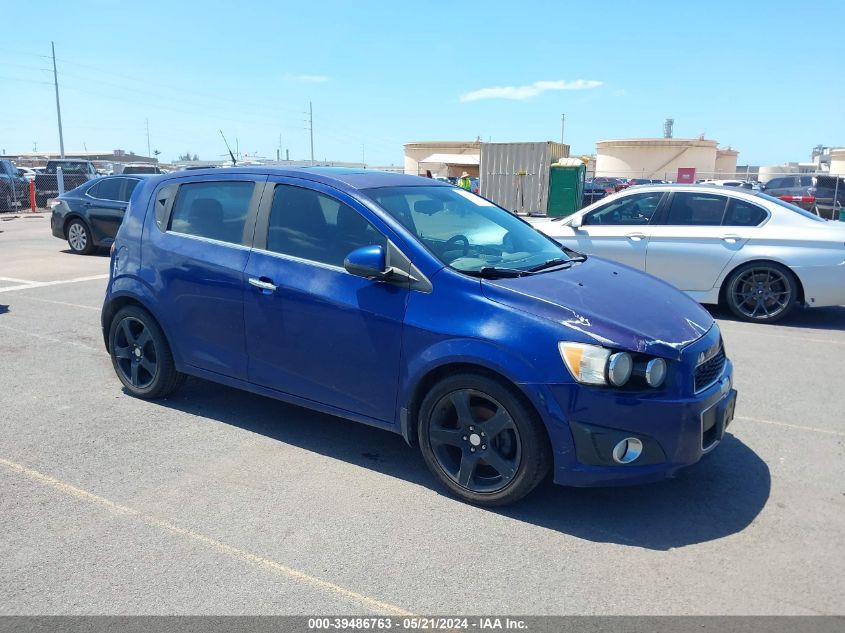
(218,501)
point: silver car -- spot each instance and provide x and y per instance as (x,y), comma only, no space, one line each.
(756,254)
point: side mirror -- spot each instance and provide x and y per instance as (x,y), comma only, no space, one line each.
(367,261)
(577,221)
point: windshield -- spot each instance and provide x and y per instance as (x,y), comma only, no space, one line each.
(465,231)
(791,207)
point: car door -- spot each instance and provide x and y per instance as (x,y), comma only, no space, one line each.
(689,246)
(105,205)
(198,243)
(314,330)
(619,229)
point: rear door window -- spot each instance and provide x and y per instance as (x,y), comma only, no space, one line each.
(742,213)
(696,209)
(131,183)
(213,210)
(109,189)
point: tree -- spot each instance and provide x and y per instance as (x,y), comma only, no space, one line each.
(187,156)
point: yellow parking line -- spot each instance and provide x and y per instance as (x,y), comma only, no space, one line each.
(219,546)
(791,426)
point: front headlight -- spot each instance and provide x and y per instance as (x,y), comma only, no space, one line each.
(586,363)
(596,365)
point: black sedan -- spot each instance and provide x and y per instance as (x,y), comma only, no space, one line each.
(89,216)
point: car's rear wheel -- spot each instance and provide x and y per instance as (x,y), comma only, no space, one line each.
(79,237)
(141,355)
(481,441)
(761,292)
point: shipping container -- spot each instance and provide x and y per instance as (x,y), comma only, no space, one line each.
(516,175)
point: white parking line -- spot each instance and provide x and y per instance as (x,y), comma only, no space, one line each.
(18,281)
(59,303)
(212,543)
(51,339)
(797,427)
(795,339)
(58,282)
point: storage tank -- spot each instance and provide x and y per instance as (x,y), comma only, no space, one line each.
(655,157)
(516,175)
(767,172)
(837,161)
(726,163)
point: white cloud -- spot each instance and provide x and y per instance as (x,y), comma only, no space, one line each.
(521,93)
(310,79)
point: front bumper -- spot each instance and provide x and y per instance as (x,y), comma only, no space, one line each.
(676,428)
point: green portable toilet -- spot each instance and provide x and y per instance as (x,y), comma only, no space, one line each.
(566,187)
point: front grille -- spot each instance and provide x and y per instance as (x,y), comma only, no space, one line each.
(709,371)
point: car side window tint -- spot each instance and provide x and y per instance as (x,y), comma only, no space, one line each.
(696,209)
(307,224)
(806,181)
(636,209)
(742,213)
(131,183)
(214,210)
(775,183)
(94,190)
(109,189)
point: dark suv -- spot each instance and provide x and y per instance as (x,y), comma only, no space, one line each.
(821,194)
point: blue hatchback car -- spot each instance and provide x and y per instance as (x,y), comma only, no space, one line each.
(415,306)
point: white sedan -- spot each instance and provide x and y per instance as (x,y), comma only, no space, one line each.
(756,254)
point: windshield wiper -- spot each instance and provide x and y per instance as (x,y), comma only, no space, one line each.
(493,272)
(552,263)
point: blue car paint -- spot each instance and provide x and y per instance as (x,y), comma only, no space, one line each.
(359,348)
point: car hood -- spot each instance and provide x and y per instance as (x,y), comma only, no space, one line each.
(613,304)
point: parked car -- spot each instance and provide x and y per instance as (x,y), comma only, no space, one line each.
(420,308)
(89,216)
(74,173)
(611,185)
(593,192)
(14,187)
(756,254)
(28,173)
(140,168)
(821,194)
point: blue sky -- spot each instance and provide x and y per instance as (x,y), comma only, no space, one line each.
(763,77)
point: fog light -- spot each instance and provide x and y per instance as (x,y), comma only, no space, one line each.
(627,450)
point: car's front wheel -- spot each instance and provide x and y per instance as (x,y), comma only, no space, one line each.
(79,237)
(481,441)
(141,356)
(761,292)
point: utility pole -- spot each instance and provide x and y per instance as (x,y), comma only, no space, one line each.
(311,128)
(58,107)
(562,120)
(148,137)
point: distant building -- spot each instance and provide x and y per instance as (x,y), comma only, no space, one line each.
(442,158)
(37,159)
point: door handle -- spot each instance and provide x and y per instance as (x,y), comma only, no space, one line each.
(264,285)
(636,237)
(730,239)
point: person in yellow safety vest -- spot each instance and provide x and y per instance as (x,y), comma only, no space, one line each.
(464,182)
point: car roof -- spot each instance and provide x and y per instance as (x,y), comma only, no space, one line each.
(340,177)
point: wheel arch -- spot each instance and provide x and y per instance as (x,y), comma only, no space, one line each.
(133,295)
(409,416)
(723,285)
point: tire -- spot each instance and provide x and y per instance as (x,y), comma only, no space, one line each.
(492,468)
(761,292)
(79,237)
(141,356)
